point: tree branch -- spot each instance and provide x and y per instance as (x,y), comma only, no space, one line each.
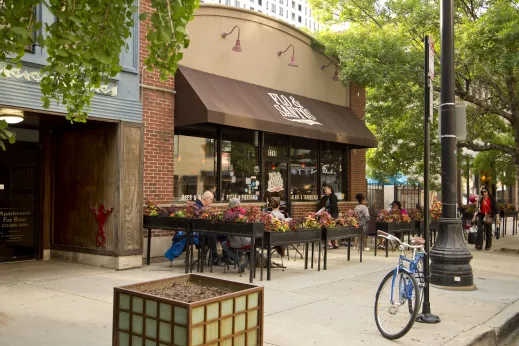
(487,147)
(484,105)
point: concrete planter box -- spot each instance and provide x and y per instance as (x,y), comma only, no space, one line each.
(165,222)
(231,319)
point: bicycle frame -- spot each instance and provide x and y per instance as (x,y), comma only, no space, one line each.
(413,264)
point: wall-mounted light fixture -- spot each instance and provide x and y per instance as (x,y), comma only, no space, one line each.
(237,46)
(293,58)
(336,74)
(11,116)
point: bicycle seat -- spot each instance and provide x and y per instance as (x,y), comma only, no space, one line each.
(417,241)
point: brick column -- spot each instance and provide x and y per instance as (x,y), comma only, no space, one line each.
(158,117)
(357,157)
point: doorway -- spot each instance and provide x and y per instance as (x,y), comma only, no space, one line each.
(19,193)
(276,165)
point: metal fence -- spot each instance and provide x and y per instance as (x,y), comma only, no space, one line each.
(375,198)
(409,195)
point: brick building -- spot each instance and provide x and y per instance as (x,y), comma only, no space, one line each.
(250,124)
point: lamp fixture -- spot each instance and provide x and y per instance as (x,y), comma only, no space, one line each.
(237,46)
(11,116)
(336,74)
(293,58)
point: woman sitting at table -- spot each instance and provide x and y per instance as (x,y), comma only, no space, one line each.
(235,243)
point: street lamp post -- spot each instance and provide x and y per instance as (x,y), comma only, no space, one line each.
(450,258)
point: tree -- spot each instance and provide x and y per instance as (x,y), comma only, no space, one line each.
(383,50)
(84,43)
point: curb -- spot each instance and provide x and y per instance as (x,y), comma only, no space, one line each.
(493,332)
(507,250)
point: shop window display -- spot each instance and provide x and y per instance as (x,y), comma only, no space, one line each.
(240,165)
(331,171)
(303,170)
(195,167)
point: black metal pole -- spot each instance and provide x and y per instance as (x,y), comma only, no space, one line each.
(468,179)
(426,316)
(450,258)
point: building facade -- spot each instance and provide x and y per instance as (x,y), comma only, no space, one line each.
(57,171)
(295,12)
(249,123)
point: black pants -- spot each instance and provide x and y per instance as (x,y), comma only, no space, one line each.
(487,229)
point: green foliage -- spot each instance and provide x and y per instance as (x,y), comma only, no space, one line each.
(5,135)
(383,50)
(83,44)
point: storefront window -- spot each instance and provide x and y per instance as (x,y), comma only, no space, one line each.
(303,170)
(331,171)
(195,167)
(240,166)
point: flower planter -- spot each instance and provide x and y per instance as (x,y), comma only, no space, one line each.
(394,227)
(339,233)
(292,237)
(165,222)
(230,319)
(239,228)
(201,225)
(508,213)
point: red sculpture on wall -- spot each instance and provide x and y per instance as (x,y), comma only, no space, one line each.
(101,217)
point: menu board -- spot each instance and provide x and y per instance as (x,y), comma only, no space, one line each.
(17,235)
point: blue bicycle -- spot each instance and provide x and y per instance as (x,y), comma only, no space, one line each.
(400,294)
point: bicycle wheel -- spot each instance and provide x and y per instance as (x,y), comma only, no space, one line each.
(395,318)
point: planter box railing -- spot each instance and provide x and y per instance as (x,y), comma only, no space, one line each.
(164,222)
(306,236)
(232,319)
(400,228)
(504,217)
(252,230)
(341,233)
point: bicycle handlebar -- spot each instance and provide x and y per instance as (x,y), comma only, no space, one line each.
(392,237)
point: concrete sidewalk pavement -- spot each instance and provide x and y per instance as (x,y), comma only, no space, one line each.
(61,304)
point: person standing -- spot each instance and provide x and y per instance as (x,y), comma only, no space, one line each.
(486,207)
(363,212)
(332,208)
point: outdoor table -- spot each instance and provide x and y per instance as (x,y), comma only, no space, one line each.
(254,231)
(169,223)
(341,233)
(393,228)
(299,236)
(504,216)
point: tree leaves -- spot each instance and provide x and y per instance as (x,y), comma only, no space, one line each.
(383,50)
(84,43)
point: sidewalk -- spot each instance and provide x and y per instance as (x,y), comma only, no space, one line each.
(61,304)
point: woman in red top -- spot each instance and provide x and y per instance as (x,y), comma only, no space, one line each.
(486,205)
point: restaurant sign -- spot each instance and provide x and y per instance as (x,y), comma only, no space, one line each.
(292,110)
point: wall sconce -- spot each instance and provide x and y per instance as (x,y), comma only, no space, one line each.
(237,46)
(11,116)
(293,59)
(336,74)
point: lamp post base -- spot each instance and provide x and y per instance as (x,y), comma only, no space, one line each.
(428,318)
(450,258)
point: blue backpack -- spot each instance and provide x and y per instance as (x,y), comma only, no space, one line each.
(179,245)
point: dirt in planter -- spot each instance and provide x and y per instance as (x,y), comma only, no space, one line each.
(190,292)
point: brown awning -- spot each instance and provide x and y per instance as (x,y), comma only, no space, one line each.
(207,98)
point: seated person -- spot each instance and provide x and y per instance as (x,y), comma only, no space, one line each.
(276,212)
(235,242)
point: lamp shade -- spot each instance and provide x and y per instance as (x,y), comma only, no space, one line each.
(237,46)
(11,116)
(335,76)
(293,61)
